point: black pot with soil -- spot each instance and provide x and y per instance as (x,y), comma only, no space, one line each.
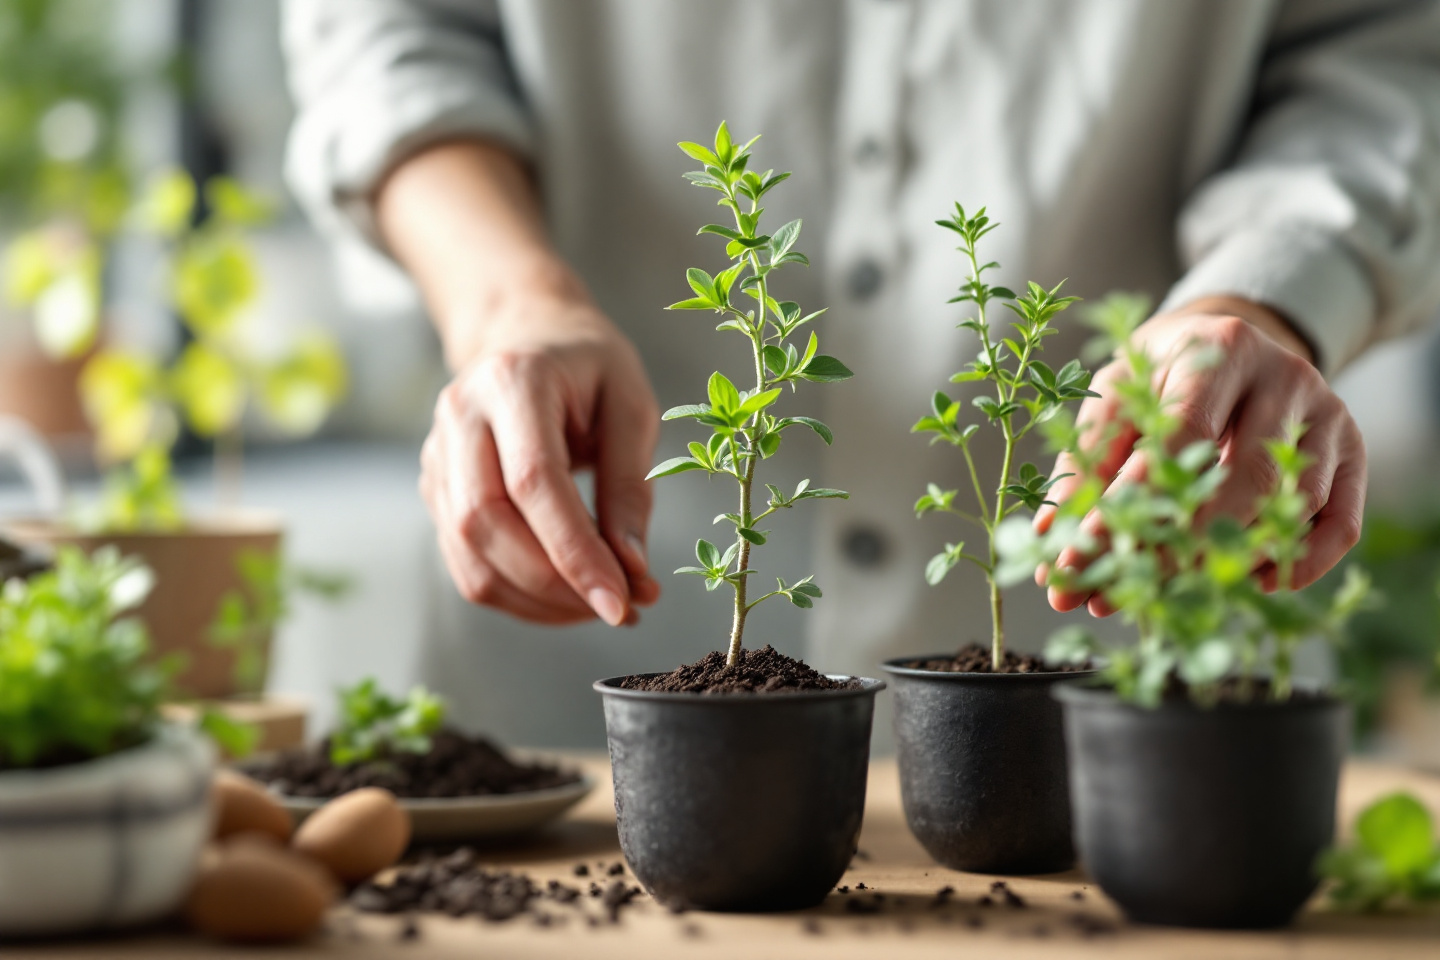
(739,788)
(1204,817)
(982,760)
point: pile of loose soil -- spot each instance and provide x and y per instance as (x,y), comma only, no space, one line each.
(458,885)
(973,658)
(758,671)
(456,766)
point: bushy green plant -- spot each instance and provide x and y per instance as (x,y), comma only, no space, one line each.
(74,679)
(1027,393)
(743,428)
(1394,861)
(1190,589)
(373,725)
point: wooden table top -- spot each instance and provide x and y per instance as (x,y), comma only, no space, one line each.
(1054,924)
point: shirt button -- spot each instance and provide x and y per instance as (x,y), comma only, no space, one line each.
(870,152)
(864,280)
(864,546)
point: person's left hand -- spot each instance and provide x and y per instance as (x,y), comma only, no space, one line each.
(1265,380)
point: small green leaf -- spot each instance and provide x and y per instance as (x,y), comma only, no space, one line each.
(686,410)
(753,535)
(673,466)
(823,369)
(1397,829)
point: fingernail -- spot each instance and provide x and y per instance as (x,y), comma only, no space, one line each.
(609,606)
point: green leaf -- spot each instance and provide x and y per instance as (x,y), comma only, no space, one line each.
(686,410)
(941,564)
(758,402)
(724,398)
(769,444)
(820,429)
(751,534)
(708,554)
(823,369)
(808,589)
(694,303)
(697,152)
(673,466)
(801,600)
(1397,829)
(783,239)
(775,360)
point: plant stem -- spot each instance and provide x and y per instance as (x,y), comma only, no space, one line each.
(228,468)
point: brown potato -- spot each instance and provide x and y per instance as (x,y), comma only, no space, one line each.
(357,834)
(251,891)
(242,805)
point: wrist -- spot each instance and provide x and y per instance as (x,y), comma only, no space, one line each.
(521,294)
(1265,319)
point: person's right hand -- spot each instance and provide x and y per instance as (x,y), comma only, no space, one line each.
(553,387)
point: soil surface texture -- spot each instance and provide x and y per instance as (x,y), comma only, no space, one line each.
(765,670)
(456,766)
(459,885)
(973,658)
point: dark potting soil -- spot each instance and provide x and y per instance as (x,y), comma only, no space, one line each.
(458,885)
(973,658)
(456,766)
(765,670)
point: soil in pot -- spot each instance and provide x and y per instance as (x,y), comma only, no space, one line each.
(456,766)
(982,760)
(739,788)
(1204,817)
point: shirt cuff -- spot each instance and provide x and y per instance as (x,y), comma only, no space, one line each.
(1305,275)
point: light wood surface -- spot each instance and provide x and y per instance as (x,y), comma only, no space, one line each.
(891,862)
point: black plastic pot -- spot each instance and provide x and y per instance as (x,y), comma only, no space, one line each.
(982,767)
(741,801)
(1204,818)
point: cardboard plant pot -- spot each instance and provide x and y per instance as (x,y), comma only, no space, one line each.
(1204,817)
(739,801)
(43,392)
(195,567)
(108,842)
(982,767)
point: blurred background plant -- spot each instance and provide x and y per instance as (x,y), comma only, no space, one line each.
(1393,651)
(64,180)
(137,403)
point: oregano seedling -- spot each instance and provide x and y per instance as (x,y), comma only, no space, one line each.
(1027,393)
(744,429)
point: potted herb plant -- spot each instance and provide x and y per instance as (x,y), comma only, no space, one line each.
(104,808)
(740,779)
(137,403)
(1203,778)
(979,738)
(454,786)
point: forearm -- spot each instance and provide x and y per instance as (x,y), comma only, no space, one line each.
(465,220)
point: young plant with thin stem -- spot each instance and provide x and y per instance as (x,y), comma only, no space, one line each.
(744,428)
(1027,393)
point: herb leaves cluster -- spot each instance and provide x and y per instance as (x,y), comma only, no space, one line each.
(1027,393)
(744,428)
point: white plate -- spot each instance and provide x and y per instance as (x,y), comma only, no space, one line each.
(454,819)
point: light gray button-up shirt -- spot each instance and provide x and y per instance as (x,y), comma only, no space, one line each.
(1287,152)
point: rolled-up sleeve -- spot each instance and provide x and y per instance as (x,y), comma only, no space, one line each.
(377,80)
(1330,213)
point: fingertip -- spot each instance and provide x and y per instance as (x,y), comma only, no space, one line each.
(1044,517)
(1064,601)
(1042,574)
(607,605)
(645,591)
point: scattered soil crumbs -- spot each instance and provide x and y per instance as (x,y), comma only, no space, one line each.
(759,671)
(459,886)
(973,658)
(1012,899)
(456,766)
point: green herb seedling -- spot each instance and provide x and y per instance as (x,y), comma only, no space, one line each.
(1394,861)
(1189,587)
(744,430)
(374,725)
(1027,393)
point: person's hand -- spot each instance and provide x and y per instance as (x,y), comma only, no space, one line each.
(552,388)
(1265,380)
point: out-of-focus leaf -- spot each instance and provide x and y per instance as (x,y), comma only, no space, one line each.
(209,388)
(298,393)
